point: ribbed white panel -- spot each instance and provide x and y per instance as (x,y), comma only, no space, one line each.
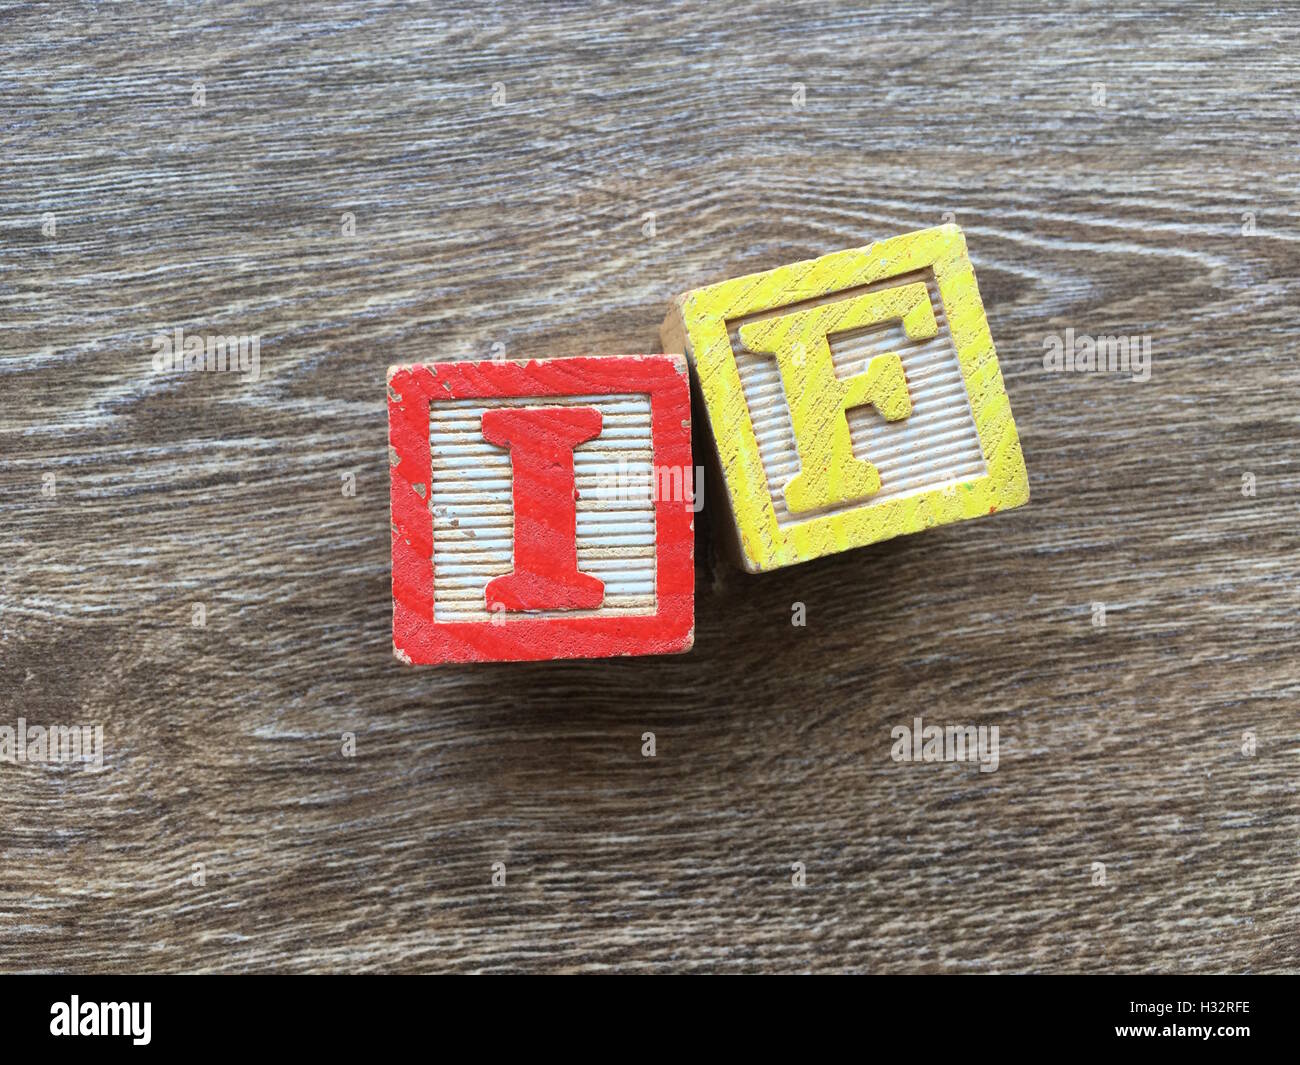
(936,445)
(473,517)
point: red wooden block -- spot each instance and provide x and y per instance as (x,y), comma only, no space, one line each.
(541,509)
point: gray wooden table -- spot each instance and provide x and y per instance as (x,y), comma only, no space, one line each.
(359,184)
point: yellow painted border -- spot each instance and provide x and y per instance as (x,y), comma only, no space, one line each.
(703,329)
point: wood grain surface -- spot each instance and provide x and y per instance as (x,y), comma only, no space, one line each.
(538,181)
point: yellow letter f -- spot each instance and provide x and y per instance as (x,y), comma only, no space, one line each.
(818,400)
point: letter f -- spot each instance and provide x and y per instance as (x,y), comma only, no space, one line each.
(819,401)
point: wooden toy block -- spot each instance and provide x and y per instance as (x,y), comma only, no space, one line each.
(534,514)
(852,398)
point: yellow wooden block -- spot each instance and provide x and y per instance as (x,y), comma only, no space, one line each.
(852,398)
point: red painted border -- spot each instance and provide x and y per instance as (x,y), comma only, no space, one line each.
(420,640)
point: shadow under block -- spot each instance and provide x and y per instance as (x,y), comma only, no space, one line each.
(541,509)
(852,398)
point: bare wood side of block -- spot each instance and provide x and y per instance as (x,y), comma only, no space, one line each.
(721,516)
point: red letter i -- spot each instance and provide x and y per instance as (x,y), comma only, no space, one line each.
(541,442)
